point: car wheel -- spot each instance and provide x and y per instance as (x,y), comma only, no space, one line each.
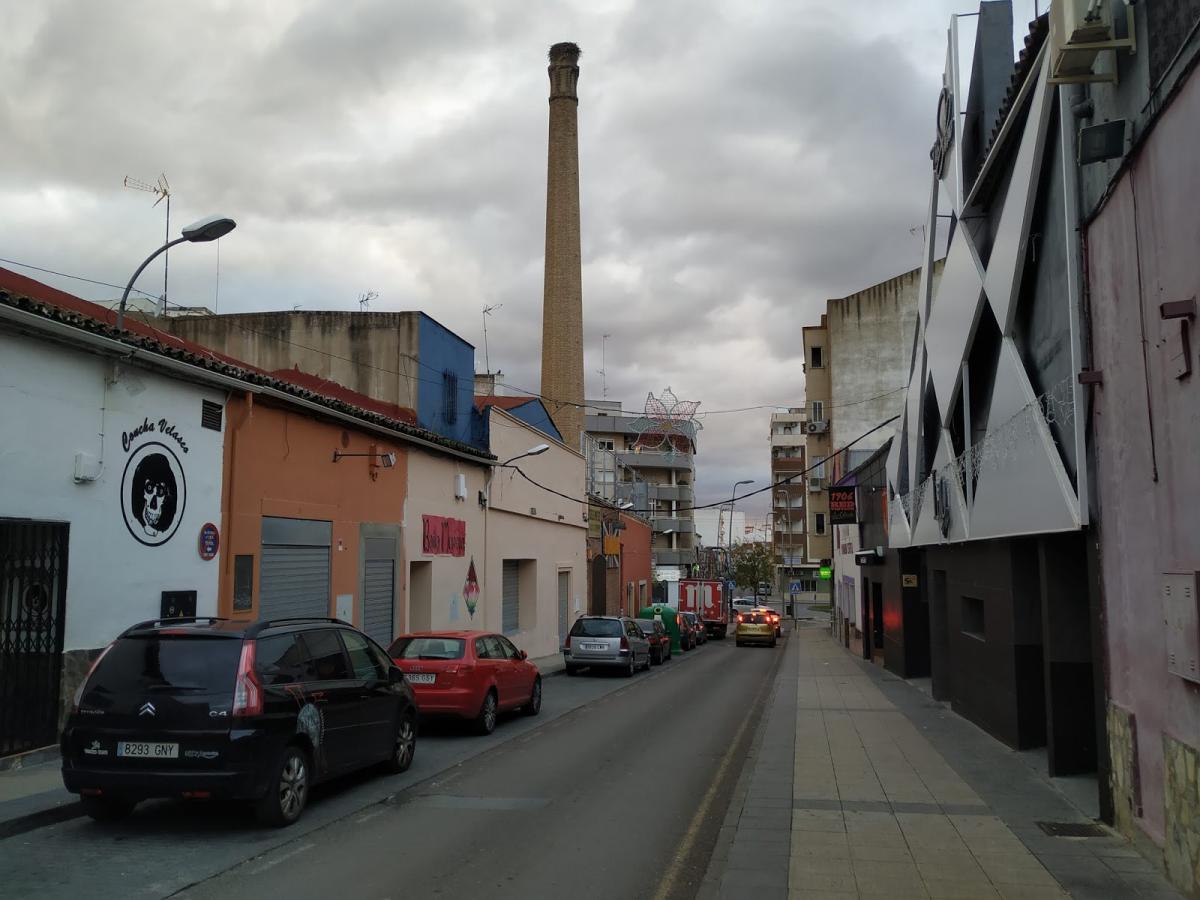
(287,794)
(631,668)
(107,809)
(406,744)
(485,722)
(772,644)
(534,706)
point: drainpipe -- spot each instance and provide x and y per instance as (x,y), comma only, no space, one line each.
(227,558)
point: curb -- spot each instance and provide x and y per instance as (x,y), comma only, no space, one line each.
(41,818)
(45,754)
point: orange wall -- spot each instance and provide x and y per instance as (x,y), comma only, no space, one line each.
(280,463)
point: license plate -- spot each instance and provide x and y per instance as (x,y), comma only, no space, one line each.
(594,646)
(418,678)
(150,750)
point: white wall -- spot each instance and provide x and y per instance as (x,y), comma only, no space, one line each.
(847,574)
(54,403)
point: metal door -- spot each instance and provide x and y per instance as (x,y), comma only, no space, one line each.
(379,592)
(564,591)
(294,581)
(511,597)
(33,600)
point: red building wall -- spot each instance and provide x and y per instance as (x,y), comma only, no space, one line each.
(635,562)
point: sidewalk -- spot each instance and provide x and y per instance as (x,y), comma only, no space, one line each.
(892,795)
(33,796)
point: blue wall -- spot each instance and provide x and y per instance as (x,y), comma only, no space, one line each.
(535,414)
(441,351)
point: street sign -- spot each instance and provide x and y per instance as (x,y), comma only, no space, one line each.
(793,587)
(209,541)
(825,573)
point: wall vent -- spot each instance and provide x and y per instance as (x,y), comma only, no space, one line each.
(210,415)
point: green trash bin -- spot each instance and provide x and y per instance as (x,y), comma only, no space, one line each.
(670,620)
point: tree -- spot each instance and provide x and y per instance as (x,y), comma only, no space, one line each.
(753,562)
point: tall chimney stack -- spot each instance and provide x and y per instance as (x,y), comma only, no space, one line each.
(562,299)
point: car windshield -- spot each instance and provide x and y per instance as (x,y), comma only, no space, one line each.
(170,663)
(647,627)
(596,628)
(427,648)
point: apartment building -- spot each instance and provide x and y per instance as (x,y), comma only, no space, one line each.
(818,446)
(632,466)
(796,579)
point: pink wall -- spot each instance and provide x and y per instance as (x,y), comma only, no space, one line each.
(1148,527)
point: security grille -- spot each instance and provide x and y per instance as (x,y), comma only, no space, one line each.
(379,584)
(511,598)
(33,599)
(294,581)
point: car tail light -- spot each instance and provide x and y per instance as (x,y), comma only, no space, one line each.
(740,619)
(83,684)
(247,692)
(567,643)
(624,642)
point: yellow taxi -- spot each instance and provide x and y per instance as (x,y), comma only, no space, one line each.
(754,627)
(775,618)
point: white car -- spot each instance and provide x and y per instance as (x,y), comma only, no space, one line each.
(741,605)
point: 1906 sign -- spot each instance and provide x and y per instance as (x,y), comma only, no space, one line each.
(842,509)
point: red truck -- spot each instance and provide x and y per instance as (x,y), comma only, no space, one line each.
(707,600)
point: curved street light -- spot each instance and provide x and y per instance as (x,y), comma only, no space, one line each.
(532,451)
(197,233)
(732,501)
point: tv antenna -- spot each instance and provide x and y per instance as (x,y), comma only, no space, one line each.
(603,370)
(487,311)
(162,190)
(364,300)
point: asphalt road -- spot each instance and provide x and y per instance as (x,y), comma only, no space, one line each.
(616,790)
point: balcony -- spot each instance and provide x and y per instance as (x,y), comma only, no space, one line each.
(680,492)
(787,440)
(679,526)
(674,557)
(656,459)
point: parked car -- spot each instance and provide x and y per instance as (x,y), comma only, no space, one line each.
(606,642)
(687,634)
(754,628)
(660,641)
(696,624)
(741,605)
(468,674)
(251,711)
(775,618)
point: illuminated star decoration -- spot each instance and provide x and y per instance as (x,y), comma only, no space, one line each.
(669,424)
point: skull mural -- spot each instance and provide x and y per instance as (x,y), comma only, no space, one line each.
(153,494)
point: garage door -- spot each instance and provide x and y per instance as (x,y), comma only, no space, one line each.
(379,586)
(294,577)
(511,619)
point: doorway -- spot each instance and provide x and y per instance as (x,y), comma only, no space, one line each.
(876,617)
(564,593)
(420,596)
(33,605)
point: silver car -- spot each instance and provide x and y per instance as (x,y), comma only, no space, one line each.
(606,642)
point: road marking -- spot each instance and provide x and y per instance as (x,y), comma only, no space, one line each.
(689,837)
(283,857)
(369,816)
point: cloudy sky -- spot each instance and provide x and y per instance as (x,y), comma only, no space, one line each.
(741,161)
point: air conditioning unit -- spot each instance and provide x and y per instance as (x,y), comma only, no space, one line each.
(816,427)
(814,483)
(1079,31)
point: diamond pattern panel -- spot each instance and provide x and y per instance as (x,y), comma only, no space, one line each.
(955,311)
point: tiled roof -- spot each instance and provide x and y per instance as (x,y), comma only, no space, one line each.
(49,303)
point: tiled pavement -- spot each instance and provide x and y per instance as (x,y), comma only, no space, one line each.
(858,785)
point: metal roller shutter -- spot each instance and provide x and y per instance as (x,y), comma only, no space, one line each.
(379,584)
(294,581)
(511,612)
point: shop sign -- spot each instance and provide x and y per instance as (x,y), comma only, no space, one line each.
(842,507)
(443,536)
(908,581)
(153,486)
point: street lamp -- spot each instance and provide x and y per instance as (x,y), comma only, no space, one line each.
(732,501)
(532,451)
(197,233)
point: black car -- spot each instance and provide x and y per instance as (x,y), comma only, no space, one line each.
(660,641)
(251,711)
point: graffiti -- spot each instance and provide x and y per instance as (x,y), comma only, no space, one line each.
(442,536)
(153,494)
(471,589)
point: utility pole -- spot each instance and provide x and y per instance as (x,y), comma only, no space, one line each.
(603,373)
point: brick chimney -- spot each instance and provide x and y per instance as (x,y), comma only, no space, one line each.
(562,299)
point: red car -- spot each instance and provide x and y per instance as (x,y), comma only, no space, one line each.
(469,674)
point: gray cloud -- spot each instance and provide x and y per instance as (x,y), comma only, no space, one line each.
(739,164)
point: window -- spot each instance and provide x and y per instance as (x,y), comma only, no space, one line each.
(642,592)
(327,660)
(973,619)
(817,357)
(243,582)
(605,445)
(427,648)
(160,663)
(819,528)
(449,397)
(509,648)
(511,596)
(361,660)
(494,650)
(280,659)
(818,411)
(482,651)
(596,628)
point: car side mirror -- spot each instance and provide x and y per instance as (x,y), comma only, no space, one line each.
(395,676)
(521,654)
